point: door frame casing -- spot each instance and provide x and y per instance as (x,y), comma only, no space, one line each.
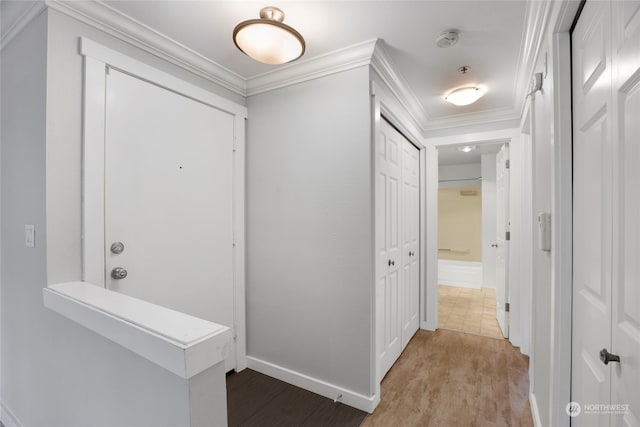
(97,59)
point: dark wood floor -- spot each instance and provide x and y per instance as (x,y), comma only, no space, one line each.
(254,399)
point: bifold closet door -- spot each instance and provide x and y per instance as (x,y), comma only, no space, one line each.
(397,244)
(389,145)
(410,241)
(168,199)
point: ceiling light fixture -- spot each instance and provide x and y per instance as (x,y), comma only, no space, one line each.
(465,95)
(467,148)
(267,39)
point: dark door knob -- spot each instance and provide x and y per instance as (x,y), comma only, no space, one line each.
(494,245)
(607,357)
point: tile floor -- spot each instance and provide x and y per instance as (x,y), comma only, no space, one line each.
(468,310)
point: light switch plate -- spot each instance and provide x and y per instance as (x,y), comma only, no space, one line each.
(30,236)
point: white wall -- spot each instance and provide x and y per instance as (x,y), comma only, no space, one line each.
(459,175)
(550,110)
(488,173)
(310,229)
(541,267)
(64,127)
(55,372)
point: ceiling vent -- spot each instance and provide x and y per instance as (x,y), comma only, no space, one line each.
(447,38)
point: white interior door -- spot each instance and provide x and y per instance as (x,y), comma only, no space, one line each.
(389,145)
(410,240)
(592,204)
(168,199)
(502,228)
(606,295)
(625,339)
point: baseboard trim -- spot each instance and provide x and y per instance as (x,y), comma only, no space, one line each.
(7,417)
(314,385)
(464,274)
(535,413)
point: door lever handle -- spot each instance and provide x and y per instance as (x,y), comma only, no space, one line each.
(607,357)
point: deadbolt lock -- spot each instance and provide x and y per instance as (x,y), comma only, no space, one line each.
(117,247)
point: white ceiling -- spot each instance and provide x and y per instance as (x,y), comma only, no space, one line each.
(491,39)
(492,42)
(450,155)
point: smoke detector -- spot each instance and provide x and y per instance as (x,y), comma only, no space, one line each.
(447,38)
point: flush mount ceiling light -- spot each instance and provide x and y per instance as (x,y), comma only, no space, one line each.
(267,39)
(467,148)
(465,95)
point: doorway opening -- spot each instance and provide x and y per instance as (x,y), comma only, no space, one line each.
(472,245)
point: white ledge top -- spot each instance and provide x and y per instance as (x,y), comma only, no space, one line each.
(183,344)
(178,327)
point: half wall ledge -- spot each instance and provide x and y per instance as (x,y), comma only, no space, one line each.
(182,344)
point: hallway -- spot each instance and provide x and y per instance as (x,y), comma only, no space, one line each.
(487,378)
(468,310)
(447,378)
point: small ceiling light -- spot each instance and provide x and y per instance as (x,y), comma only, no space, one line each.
(447,38)
(465,95)
(267,39)
(467,148)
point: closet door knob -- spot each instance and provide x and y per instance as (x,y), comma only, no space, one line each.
(607,357)
(389,263)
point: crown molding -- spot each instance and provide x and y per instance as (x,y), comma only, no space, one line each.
(123,27)
(20,21)
(384,67)
(480,117)
(354,56)
(371,52)
(536,22)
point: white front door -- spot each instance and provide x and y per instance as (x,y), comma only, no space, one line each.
(168,199)
(502,228)
(410,241)
(388,153)
(606,210)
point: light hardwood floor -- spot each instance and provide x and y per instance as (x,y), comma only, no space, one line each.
(453,379)
(468,310)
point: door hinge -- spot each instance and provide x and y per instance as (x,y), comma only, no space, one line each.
(507,235)
(507,164)
(506,307)
(235,333)
(372,87)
